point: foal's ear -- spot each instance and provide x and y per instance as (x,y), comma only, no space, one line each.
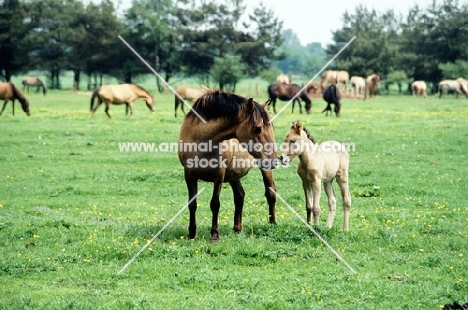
(297,127)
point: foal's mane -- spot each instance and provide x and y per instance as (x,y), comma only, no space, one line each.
(215,104)
(309,136)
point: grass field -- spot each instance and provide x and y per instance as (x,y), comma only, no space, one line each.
(74,210)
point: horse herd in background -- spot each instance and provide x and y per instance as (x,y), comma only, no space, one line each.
(332,87)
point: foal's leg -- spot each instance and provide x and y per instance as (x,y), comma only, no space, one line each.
(270,194)
(342,180)
(309,195)
(239,195)
(316,188)
(331,202)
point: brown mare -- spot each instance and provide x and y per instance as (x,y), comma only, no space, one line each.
(319,163)
(287,92)
(186,92)
(8,91)
(227,116)
(120,94)
(33,81)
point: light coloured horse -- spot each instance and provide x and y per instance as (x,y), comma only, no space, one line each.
(419,88)
(343,78)
(463,81)
(217,116)
(188,93)
(33,81)
(319,163)
(372,84)
(120,94)
(358,86)
(283,79)
(452,85)
(9,92)
(330,76)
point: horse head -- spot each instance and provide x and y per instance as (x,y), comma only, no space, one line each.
(295,143)
(150,103)
(256,132)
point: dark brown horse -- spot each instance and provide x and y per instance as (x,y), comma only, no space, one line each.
(33,81)
(287,92)
(332,96)
(120,94)
(8,91)
(215,117)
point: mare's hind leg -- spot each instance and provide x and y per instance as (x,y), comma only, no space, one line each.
(96,107)
(331,202)
(214,206)
(192,187)
(129,107)
(342,180)
(239,195)
(270,194)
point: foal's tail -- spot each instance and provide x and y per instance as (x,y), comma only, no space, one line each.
(93,96)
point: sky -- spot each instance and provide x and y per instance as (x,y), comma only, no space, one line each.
(314,21)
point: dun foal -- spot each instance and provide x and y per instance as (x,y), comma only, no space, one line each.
(319,163)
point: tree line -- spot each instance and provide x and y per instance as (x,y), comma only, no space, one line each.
(427,44)
(192,37)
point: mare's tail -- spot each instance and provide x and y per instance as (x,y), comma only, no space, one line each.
(93,96)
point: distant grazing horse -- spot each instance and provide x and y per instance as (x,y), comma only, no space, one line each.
(227,116)
(283,79)
(452,85)
(319,163)
(120,94)
(419,88)
(186,92)
(33,81)
(358,86)
(332,96)
(287,92)
(8,91)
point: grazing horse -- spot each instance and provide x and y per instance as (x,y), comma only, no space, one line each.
(358,86)
(332,96)
(419,88)
(8,91)
(217,116)
(283,79)
(463,81)
(452,85)
(33,81)
(287,92)
(319,163)
(186,92)
(120,94)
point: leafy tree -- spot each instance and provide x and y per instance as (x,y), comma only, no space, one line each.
(454,70)
(227,71)
(13,49)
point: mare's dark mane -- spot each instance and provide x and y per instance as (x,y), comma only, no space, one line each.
(141,88)
(216,104)
(309,136)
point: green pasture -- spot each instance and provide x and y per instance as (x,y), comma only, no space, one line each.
(74,210)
